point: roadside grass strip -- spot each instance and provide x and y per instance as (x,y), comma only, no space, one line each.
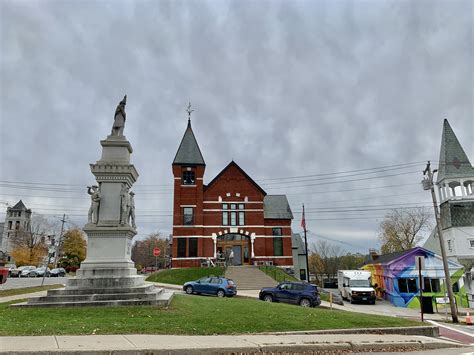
(187,315)
(26,290)
(181,276)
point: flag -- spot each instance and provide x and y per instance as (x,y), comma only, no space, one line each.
(303,221)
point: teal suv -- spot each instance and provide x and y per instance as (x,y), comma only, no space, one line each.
(219,286)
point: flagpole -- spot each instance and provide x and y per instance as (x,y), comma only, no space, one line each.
(303,222)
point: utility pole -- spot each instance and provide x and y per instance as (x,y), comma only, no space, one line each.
(63,220)
(428,184)
(303,224)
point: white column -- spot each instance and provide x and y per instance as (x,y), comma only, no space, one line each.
(463,188)
(214,239)
(441,193)
(252,240)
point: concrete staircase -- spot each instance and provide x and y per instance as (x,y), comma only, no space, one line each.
(249,277)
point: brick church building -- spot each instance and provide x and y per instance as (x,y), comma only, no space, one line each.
(231,212)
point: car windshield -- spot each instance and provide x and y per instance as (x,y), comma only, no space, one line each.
(359,283)
(22,268)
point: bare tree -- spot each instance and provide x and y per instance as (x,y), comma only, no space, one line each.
(403,229)
(142,251)
(327,258)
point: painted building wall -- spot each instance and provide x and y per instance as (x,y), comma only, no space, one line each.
(387,276)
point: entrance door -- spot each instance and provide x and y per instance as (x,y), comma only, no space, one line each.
(237,254)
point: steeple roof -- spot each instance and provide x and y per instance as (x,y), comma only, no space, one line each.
(188,152)
(453,161)
(20,206)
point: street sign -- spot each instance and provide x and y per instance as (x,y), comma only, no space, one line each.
(156,251)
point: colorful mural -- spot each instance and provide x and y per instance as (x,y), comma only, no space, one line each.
(395,278)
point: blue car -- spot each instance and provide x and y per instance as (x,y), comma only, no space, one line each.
(302,293)
(213,285)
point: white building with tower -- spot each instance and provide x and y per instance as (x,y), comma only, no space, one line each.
(455,182)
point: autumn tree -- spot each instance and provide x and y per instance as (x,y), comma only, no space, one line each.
(73,249)
(30,246)
(142,251)
(402,229)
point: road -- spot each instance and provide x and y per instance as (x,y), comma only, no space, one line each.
(15,282)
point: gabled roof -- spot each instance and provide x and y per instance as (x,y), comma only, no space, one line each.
(188,152)
(234,164)
(20,206)
(453,161)
(276,207)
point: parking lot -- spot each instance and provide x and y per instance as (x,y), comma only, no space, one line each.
(15,282)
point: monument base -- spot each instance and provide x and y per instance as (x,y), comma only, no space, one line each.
(146,294)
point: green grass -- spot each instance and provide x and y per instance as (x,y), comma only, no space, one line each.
(277,274)
(193,315)
(25,290)
(180,276)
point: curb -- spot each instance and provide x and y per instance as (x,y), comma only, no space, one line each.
(254,348)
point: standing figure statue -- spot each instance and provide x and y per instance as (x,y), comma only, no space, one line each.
(124,202)
(131,209)
(93,215)
(119,119)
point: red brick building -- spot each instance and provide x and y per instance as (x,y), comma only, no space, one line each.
(231,212)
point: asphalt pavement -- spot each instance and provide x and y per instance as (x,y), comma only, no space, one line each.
(20,282)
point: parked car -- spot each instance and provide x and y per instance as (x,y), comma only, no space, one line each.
(214,285)
(39,272)
(3,274)
(302,293)
(10,268)
(22,271)
(25,272)
(58,272)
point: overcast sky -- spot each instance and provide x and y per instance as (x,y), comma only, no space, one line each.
(284,88)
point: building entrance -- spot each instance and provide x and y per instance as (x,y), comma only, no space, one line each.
(239,244)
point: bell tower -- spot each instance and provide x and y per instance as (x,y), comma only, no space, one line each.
(188,172)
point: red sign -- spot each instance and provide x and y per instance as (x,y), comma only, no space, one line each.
(156,252)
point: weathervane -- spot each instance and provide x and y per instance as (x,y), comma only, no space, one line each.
(189,111)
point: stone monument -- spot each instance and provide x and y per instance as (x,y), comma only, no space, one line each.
(107,276)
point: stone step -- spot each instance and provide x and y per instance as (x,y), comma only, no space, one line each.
(78,291)
(162,300)
(106,282)
(96,297)
(249,277)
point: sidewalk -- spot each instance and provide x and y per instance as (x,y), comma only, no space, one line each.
(166,344)
(22,296)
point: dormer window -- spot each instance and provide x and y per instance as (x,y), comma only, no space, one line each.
(189,178)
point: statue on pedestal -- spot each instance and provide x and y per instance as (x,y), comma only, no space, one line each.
(93,215)
(124,203)
(131,209)
(119,119)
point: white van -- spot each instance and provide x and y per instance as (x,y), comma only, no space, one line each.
(355,285)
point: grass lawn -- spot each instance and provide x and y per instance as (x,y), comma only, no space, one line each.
(180,276)
(25,290)
(277,274)
(194,315)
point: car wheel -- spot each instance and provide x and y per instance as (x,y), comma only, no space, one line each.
(220,293)
(268,298)
(189,290)
(351,301)
(304,302)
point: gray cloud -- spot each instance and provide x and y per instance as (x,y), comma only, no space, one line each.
(283,88)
